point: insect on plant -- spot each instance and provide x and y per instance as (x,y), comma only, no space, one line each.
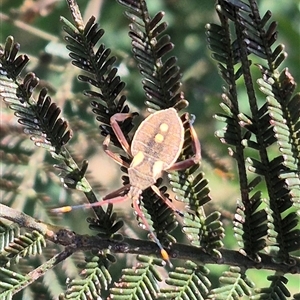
(155,148)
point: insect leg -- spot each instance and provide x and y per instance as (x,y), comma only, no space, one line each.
(180,165)
(114,156)
(195,143)
(166,200)
(120,117)
(163,252)
(124,189)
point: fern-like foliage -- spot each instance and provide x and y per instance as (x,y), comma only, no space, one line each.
(102,75)
(161,217)
(40,118)
(161,75)
(188,282)
(205,231)
(10,282)
(254,36)
(42,122)
(276,290)
(15,153)
(95,278)
(25,245)
(260,226)
(7,235)
(139,282)
(266,137)
(13,247)
(191,187)
(235,285)
(222,46)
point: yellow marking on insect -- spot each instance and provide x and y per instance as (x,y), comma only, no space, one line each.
(157,168)
(164,127)
(159,138)
(63,209)
(164,254)
(138,159)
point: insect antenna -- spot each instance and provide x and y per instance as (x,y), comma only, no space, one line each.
(111,198)
(68,208)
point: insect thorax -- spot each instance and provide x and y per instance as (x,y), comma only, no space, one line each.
(140,179)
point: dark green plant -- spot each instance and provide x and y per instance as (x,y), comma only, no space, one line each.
(263,140)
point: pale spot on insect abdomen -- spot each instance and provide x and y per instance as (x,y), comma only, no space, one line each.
(159,138)
(164,127)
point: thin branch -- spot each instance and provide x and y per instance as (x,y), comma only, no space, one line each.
(42,269)
(75,242)
(28,222)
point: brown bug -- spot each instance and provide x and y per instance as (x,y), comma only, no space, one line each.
(155,148)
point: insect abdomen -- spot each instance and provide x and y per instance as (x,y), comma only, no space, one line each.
(160,137)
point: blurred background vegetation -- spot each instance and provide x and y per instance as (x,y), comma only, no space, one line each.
(36,26)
